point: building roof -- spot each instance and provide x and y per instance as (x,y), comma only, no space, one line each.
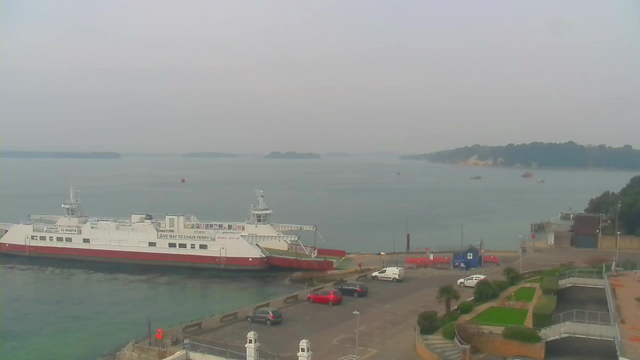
(586,223)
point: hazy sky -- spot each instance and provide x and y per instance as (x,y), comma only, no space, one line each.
(261,76)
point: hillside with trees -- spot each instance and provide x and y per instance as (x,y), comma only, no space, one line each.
(538,154)
(626,203)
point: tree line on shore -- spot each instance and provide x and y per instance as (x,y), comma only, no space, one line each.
(625,204)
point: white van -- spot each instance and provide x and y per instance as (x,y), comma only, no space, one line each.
(390,273)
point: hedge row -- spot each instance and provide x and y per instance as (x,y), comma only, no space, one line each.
(542,311)
(549,285)
(521,333)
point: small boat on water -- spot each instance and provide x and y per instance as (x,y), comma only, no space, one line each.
(527,175)
(540,181)
(476,178)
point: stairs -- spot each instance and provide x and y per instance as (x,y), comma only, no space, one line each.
(445,349)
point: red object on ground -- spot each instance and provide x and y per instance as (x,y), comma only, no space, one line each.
(533,236)
(428,262)
(159,334)
(332,297)
(183,181)
(491,259)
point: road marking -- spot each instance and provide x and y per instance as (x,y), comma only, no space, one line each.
(335,341)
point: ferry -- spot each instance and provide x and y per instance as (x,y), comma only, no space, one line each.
(178,240)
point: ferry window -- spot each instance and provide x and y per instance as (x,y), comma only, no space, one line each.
(172,245)
(34,237)
(59,239)
(152,244)
(182,246)
(203,246)
(193,246)
(171,222)
(86,241)
(50,238)
(67,239)
(43,238)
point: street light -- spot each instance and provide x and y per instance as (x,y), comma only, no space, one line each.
(520,239)
(357,314)
(617,245)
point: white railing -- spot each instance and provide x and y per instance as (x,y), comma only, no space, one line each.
(626,350)
(289,227)
(6,226)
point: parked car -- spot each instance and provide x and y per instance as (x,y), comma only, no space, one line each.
(390,273)
(471,281)
(354,289)
(266,315)
(331,297)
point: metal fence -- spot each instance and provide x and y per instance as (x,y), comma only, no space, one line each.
(582,317)
(231,351)
(581,274)
(625,349)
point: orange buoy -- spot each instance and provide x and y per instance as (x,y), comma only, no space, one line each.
(183,181)
(159,334)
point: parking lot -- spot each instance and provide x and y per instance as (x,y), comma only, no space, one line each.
(385,325)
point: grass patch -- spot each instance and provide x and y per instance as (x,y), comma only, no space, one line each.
(501,316)
(525,293)
(536,280)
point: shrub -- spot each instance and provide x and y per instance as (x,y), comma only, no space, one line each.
(542,311)
(549,285)
(521,333)
(512,275)
(449,318)
(465,307)
(500,285)
(485,291)
(449,331)
(428,322)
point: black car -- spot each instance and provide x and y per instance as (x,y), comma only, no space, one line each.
(266,315)
(353,289)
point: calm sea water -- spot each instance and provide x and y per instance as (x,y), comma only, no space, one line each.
(66,310)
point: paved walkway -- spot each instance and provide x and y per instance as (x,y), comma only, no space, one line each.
(529,320)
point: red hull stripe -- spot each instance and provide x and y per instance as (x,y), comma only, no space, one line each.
(143,256)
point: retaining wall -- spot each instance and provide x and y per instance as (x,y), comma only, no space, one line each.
(496,345)
(626,243)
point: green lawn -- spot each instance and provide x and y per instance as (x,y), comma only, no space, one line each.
(501,316)
(525,293)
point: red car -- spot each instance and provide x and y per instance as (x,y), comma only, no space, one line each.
(331,297)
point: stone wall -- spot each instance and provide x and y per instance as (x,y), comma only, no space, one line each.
(626,243)
(496,345)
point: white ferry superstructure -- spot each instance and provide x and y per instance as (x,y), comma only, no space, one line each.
(181,240)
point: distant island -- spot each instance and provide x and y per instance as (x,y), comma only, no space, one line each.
(211,155)
(291,155)
(340,154)
(537,154)
(58,155)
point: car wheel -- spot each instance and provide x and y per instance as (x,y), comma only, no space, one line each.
(374,278)
(330,303)
(269,322)
(394,280)
(460,284)
(355,294)
(310,300)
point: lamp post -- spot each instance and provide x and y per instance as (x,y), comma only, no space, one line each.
(520,239)
(357,314)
